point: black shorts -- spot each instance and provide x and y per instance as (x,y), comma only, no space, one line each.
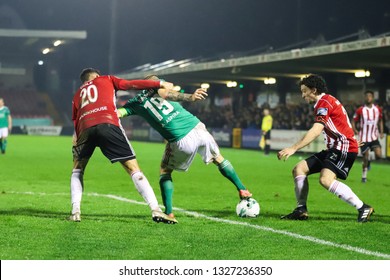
(267,135)
(370,145)
(111,140)
(340,163)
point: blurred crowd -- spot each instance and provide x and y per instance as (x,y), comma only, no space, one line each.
(298,117)
(285,116)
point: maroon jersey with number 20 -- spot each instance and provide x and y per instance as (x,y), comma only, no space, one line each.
(94,102)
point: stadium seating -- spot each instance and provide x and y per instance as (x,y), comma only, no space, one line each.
(27,104)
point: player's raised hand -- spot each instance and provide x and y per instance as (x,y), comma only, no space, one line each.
(286,153)
(199,94)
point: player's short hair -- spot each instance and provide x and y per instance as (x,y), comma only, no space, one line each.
(369,92)
(152,77)
(84,75)
(314,81)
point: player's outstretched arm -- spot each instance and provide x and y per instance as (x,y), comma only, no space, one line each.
(309,137)
(173,95)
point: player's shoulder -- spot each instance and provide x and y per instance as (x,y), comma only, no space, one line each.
(359,109)
(139,98)
(106,78)
(5,109)
(325,100)
(331,98)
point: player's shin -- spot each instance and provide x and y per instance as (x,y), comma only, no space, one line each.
(166,187)
(301,189)
(227,170)
(1,145)
(345,193)
(144,189)
(76,189)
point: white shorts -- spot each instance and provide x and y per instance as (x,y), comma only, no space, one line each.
(3,132)
(179,155)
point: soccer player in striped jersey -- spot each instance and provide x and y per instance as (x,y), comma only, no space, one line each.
(186,136)
(365,123)
(97,124)
(336,161)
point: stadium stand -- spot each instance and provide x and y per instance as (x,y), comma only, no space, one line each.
(28,107)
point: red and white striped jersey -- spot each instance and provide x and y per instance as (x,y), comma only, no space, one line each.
(368,119)
(338,132)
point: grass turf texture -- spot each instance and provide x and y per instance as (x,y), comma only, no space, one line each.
(35,201)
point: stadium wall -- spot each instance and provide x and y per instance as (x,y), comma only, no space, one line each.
(236,138)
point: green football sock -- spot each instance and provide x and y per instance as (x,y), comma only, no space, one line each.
(1,144)
(227,170)
(166,187)
(4,145)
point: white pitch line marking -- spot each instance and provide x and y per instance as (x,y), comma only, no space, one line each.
(263,228)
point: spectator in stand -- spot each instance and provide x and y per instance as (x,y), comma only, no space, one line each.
(387,122)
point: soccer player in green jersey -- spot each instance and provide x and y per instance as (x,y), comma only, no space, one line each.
(5,125)
(186,136)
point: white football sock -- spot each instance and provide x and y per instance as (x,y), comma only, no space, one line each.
(76,189)
(301,189)
(345,193)
(145,189)
(364,174)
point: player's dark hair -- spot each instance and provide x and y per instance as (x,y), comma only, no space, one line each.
(369,92)
(84,75)
(314,81)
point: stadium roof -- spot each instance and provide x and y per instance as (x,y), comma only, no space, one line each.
(24,40)
(346,57)
(24,43)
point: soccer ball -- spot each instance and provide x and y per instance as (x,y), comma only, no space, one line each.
(248,207)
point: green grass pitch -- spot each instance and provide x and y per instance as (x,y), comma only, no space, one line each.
(117,225)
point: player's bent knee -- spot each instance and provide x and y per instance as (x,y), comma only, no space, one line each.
(378,155)
(131,165)
(218,159)
(300,169)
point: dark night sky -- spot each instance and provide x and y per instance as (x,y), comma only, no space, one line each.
(157,30)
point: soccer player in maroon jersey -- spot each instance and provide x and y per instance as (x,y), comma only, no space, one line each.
(97,125)
(367,119)
(333,163)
